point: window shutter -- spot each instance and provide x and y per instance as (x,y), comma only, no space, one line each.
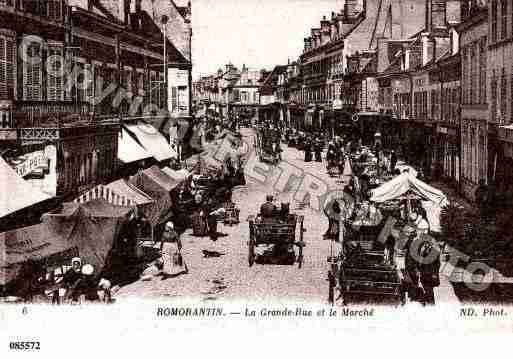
(32,77)
(55,88)
(3,68)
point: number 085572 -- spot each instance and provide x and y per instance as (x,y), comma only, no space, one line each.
(24,345)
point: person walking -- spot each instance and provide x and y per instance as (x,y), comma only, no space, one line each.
(393,161)
(429,267)
(172,260)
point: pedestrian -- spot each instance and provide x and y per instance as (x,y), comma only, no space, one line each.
(429,266)
(393,161)
(318,150)
(411,270)
(172,259)
(481,197)
(308,150)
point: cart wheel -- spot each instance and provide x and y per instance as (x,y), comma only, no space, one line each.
(251,253)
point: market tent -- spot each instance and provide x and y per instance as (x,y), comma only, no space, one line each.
(93,228)
(152,141)
(117,194)
(157,185)
(42,243)
(404,183)
(129,150)
(179,175)
(134,195)
(16,193)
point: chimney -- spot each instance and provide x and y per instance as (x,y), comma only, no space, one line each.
(353,8)
(383,58)
(325,31)
(428,48)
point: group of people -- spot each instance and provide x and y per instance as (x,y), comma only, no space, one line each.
(270,212)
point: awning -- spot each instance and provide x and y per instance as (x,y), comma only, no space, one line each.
(128,190)
(404,183)
(179,176)
(160,177)
(16,193)
(41,243)
(129,150)
(118,193)
(152,141)
(156,184)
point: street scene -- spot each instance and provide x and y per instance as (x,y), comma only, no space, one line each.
(372,164)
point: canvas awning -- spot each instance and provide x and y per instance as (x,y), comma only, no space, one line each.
(152,141)
(129,191)
(179,176)
(15,192)
(157,185)
(404,184)
(41,243)
(93,227)
(129,150)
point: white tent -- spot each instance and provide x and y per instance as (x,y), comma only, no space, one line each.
(405,184)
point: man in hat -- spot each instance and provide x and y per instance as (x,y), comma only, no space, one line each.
(268,209)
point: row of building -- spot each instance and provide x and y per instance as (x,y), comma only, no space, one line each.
(89,88)
(434,76)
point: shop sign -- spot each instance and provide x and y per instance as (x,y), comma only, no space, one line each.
(38,160)
(337,104)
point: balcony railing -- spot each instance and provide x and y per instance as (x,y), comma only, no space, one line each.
(50,114)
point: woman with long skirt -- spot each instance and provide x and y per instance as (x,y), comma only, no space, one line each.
(172,260)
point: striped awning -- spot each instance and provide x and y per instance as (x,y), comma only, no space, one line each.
(106,193)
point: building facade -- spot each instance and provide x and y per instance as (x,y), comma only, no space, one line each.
(71,73)
(475,95)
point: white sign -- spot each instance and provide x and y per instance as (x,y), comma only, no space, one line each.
(36,160)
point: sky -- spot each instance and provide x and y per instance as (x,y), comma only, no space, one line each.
(257,33)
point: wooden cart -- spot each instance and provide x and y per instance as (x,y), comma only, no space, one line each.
(361,271)
(275,232)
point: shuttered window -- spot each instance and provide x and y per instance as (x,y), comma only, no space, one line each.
(7,67)
(54,9)
(32,74)
(55,77)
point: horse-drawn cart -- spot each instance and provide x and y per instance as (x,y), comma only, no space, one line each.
(363,270)
(280,234)
(268,145)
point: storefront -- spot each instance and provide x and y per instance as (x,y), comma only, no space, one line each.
(447,153)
